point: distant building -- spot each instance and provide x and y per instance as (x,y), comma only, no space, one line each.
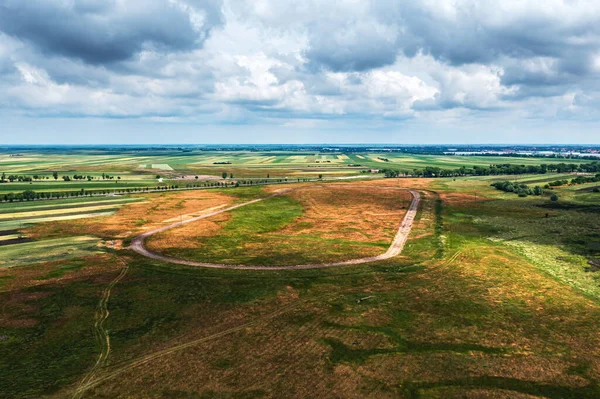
(160,179)
(374,170)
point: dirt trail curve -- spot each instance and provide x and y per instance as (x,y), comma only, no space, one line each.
(100,332)
(395,248)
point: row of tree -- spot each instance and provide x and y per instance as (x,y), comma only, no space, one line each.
(586,179)
(523,190)
(496,169)
(26,178)
(30,195)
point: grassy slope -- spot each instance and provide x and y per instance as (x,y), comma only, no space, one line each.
(251,237)
(460,313)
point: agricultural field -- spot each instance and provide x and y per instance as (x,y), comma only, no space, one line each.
(118,170)
(23,214)
(494,295)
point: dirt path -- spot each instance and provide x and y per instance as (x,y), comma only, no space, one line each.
(395,248)
(151,357)
(92,382)
(101,333)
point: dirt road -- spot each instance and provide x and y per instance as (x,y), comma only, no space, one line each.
(395,248)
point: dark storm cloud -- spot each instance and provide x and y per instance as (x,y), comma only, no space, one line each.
(311,59)
(462,33)
(354,45)
(99,32)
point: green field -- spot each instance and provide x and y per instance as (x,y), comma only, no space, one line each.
(47,251)
(22,214)
(494,295)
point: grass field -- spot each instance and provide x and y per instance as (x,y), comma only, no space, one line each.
(47,251)
(310,225)
(494,296)
(24,214)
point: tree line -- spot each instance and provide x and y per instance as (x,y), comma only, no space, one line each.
(4,178)
(31,195)
(523,190)
(495,169)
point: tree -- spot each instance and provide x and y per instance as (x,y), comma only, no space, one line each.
(268,176)
(29,195)
(3,176)
(231,175)
(596,189)
(320,176)
(55,175)
(224,175)
(554,198)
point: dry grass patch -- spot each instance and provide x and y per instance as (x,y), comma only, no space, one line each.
(307,224)
(186,236)
(461,199)
(350,213)
(134,218)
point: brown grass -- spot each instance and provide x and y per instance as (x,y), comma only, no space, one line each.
(485,295)
(461,199)
(351,213)
(186,236)
(18,302)
(134,218)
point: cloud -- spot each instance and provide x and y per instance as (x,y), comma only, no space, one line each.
(358,45)
(99,32)
(266,61)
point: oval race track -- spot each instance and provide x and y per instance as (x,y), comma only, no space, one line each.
(395,248)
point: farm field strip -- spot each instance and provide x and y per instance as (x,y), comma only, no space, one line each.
(13,224)
(161,166)
(65,203)
(9,237)
(376,159)
(47,250)
(268,160)
(56,212)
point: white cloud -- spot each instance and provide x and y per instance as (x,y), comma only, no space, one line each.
(258,61)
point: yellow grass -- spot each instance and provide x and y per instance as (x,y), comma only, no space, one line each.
(30,214)
(134,218)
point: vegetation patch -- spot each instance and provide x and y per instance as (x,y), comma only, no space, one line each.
(308,225)
(48,250)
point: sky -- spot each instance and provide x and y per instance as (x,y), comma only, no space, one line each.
(299,71)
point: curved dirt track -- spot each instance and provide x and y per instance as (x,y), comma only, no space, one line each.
(395,248)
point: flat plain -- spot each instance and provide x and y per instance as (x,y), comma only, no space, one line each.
(494,296)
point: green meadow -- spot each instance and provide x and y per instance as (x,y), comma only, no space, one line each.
(494,295)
